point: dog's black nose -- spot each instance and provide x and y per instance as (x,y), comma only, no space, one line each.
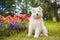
(37,14)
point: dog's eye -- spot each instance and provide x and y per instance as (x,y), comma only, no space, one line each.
(38,11)
(34,12)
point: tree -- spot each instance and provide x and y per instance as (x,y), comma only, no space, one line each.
(54,7)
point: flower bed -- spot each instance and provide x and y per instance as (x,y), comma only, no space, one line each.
(14,23)
(9,25)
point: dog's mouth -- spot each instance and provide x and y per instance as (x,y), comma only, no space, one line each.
(37,17)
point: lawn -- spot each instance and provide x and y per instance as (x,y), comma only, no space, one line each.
(53,32)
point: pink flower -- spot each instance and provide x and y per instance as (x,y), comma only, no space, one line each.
(0,16)
(11,21)
(14,15)
(17,18)
(21,15)
(25,17)
(9,17)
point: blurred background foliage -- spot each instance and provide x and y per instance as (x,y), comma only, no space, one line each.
(51,8)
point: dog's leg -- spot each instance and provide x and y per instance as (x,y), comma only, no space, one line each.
(30,30)
(37,32)
(45,33)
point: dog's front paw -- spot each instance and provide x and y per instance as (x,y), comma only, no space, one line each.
(45,35)
(29,35)
(36,36)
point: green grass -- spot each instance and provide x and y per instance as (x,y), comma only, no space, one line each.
(53,32)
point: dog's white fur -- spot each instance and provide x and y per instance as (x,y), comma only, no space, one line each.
(36,23)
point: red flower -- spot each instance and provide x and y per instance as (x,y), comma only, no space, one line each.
(17,18)
(14,15)
(25,17)
(0,16)
(9,17)
(21,15)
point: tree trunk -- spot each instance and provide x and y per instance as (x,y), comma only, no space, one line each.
(55,11)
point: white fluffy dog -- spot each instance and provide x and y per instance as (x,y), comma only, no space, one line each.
(36,23)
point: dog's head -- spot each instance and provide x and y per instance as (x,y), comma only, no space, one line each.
(36,12)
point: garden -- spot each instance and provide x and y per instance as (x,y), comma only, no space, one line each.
(15,14)
(9,25)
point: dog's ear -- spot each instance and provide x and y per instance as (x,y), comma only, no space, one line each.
(40,8)
(32,9)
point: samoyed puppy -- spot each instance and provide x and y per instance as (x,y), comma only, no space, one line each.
(36,24)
